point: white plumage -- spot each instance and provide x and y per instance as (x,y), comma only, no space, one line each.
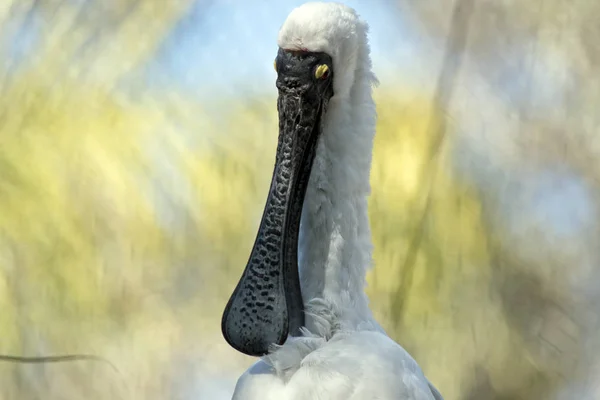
(343,353)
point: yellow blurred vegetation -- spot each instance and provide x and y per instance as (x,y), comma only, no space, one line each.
(102,249)
(124,224)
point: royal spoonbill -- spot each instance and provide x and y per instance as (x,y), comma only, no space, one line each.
(300,303)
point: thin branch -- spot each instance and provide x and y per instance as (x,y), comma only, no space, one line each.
(56,359)
(455,48)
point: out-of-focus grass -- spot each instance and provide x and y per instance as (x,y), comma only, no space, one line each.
(125,224)
(122,235)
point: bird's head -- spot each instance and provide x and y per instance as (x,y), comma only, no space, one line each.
(317,62)
(330,28)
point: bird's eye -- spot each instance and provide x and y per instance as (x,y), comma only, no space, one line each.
(275,65)
(322,71)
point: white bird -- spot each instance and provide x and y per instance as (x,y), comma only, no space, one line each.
(300,303)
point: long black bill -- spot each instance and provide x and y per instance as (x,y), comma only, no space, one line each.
(266,306)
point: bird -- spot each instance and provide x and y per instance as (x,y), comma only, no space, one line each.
(300,304)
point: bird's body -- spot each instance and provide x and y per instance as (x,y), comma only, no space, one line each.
(361,365)
(300,303)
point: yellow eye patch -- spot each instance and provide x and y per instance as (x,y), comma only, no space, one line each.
(275,65)
(322,71)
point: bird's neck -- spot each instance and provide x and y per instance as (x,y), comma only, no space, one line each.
(335,247)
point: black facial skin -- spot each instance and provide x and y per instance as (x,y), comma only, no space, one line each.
(266,304)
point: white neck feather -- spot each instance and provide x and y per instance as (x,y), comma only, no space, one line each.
(335,247)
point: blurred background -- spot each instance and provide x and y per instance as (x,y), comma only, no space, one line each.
(137,139)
